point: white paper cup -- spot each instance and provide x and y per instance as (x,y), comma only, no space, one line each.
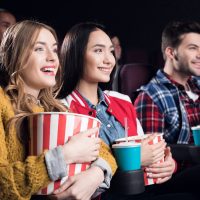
(50,129)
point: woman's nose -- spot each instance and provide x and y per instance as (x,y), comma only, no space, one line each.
(51,55)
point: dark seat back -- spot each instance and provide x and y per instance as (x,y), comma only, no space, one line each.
(132,76)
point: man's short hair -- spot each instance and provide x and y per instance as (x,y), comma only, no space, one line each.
(172,33)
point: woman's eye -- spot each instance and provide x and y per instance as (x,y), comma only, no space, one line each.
(112,52)
(39,49)
(98,50)
(55,50)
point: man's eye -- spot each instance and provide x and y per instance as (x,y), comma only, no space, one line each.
(192,47)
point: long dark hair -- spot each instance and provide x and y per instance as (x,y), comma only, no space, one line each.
(72,55)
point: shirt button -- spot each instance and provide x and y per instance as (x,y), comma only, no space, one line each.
(98,110)
(108,125)
(90,113)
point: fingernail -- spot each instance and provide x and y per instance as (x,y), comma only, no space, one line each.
(149,175)
(158,180)
(56,191)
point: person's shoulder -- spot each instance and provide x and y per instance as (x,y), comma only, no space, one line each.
(117,95)
(2,93)
(4,100)
(154,85)
(196,80)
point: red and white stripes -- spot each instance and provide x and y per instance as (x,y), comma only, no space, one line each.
(48,130)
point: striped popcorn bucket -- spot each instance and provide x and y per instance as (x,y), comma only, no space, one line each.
(150,181)
(50,129)
(138,139)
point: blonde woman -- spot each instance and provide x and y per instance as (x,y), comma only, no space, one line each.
(29,57)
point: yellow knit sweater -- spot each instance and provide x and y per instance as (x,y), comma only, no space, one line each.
(21,176)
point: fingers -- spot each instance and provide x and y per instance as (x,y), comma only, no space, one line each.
(150,137)
(160,145)
(94,156)
(64,186)
(160,176)
(158,156)
(61,196)
(168,152)
(149,140)
(164,164)
(90,132)
(164,171)
(159,172)
(96,147)
(162,180)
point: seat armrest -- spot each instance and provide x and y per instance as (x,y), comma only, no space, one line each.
(186,152)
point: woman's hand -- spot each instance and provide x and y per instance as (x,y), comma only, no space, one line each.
(152,153)
(82,148)
(81,186)
(163,171)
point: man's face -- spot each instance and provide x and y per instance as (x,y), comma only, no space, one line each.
(6,20)
(187,55)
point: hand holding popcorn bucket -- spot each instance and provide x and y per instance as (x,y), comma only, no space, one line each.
(138,139)
(51,129)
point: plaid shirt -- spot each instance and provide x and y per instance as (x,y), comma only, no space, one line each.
(165,107)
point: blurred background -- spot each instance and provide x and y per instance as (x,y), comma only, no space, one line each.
(138,24)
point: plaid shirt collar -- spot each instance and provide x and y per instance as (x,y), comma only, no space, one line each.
(164,78)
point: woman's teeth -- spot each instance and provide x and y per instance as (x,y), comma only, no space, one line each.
(104,69)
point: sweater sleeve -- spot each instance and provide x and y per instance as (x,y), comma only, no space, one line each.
(107,163)
(106,154)
(20,176)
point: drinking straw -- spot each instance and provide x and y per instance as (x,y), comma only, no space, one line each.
(126,128)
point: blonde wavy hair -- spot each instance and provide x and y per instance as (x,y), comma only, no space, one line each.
(15,50)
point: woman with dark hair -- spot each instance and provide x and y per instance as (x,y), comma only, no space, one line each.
(87,58)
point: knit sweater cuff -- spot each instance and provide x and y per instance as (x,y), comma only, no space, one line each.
(55,163)
(101,163)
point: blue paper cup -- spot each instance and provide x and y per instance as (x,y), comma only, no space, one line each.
(127,155)
(196,135)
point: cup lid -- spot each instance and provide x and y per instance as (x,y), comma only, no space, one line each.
(126,145)
(195,127)
(131,138)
